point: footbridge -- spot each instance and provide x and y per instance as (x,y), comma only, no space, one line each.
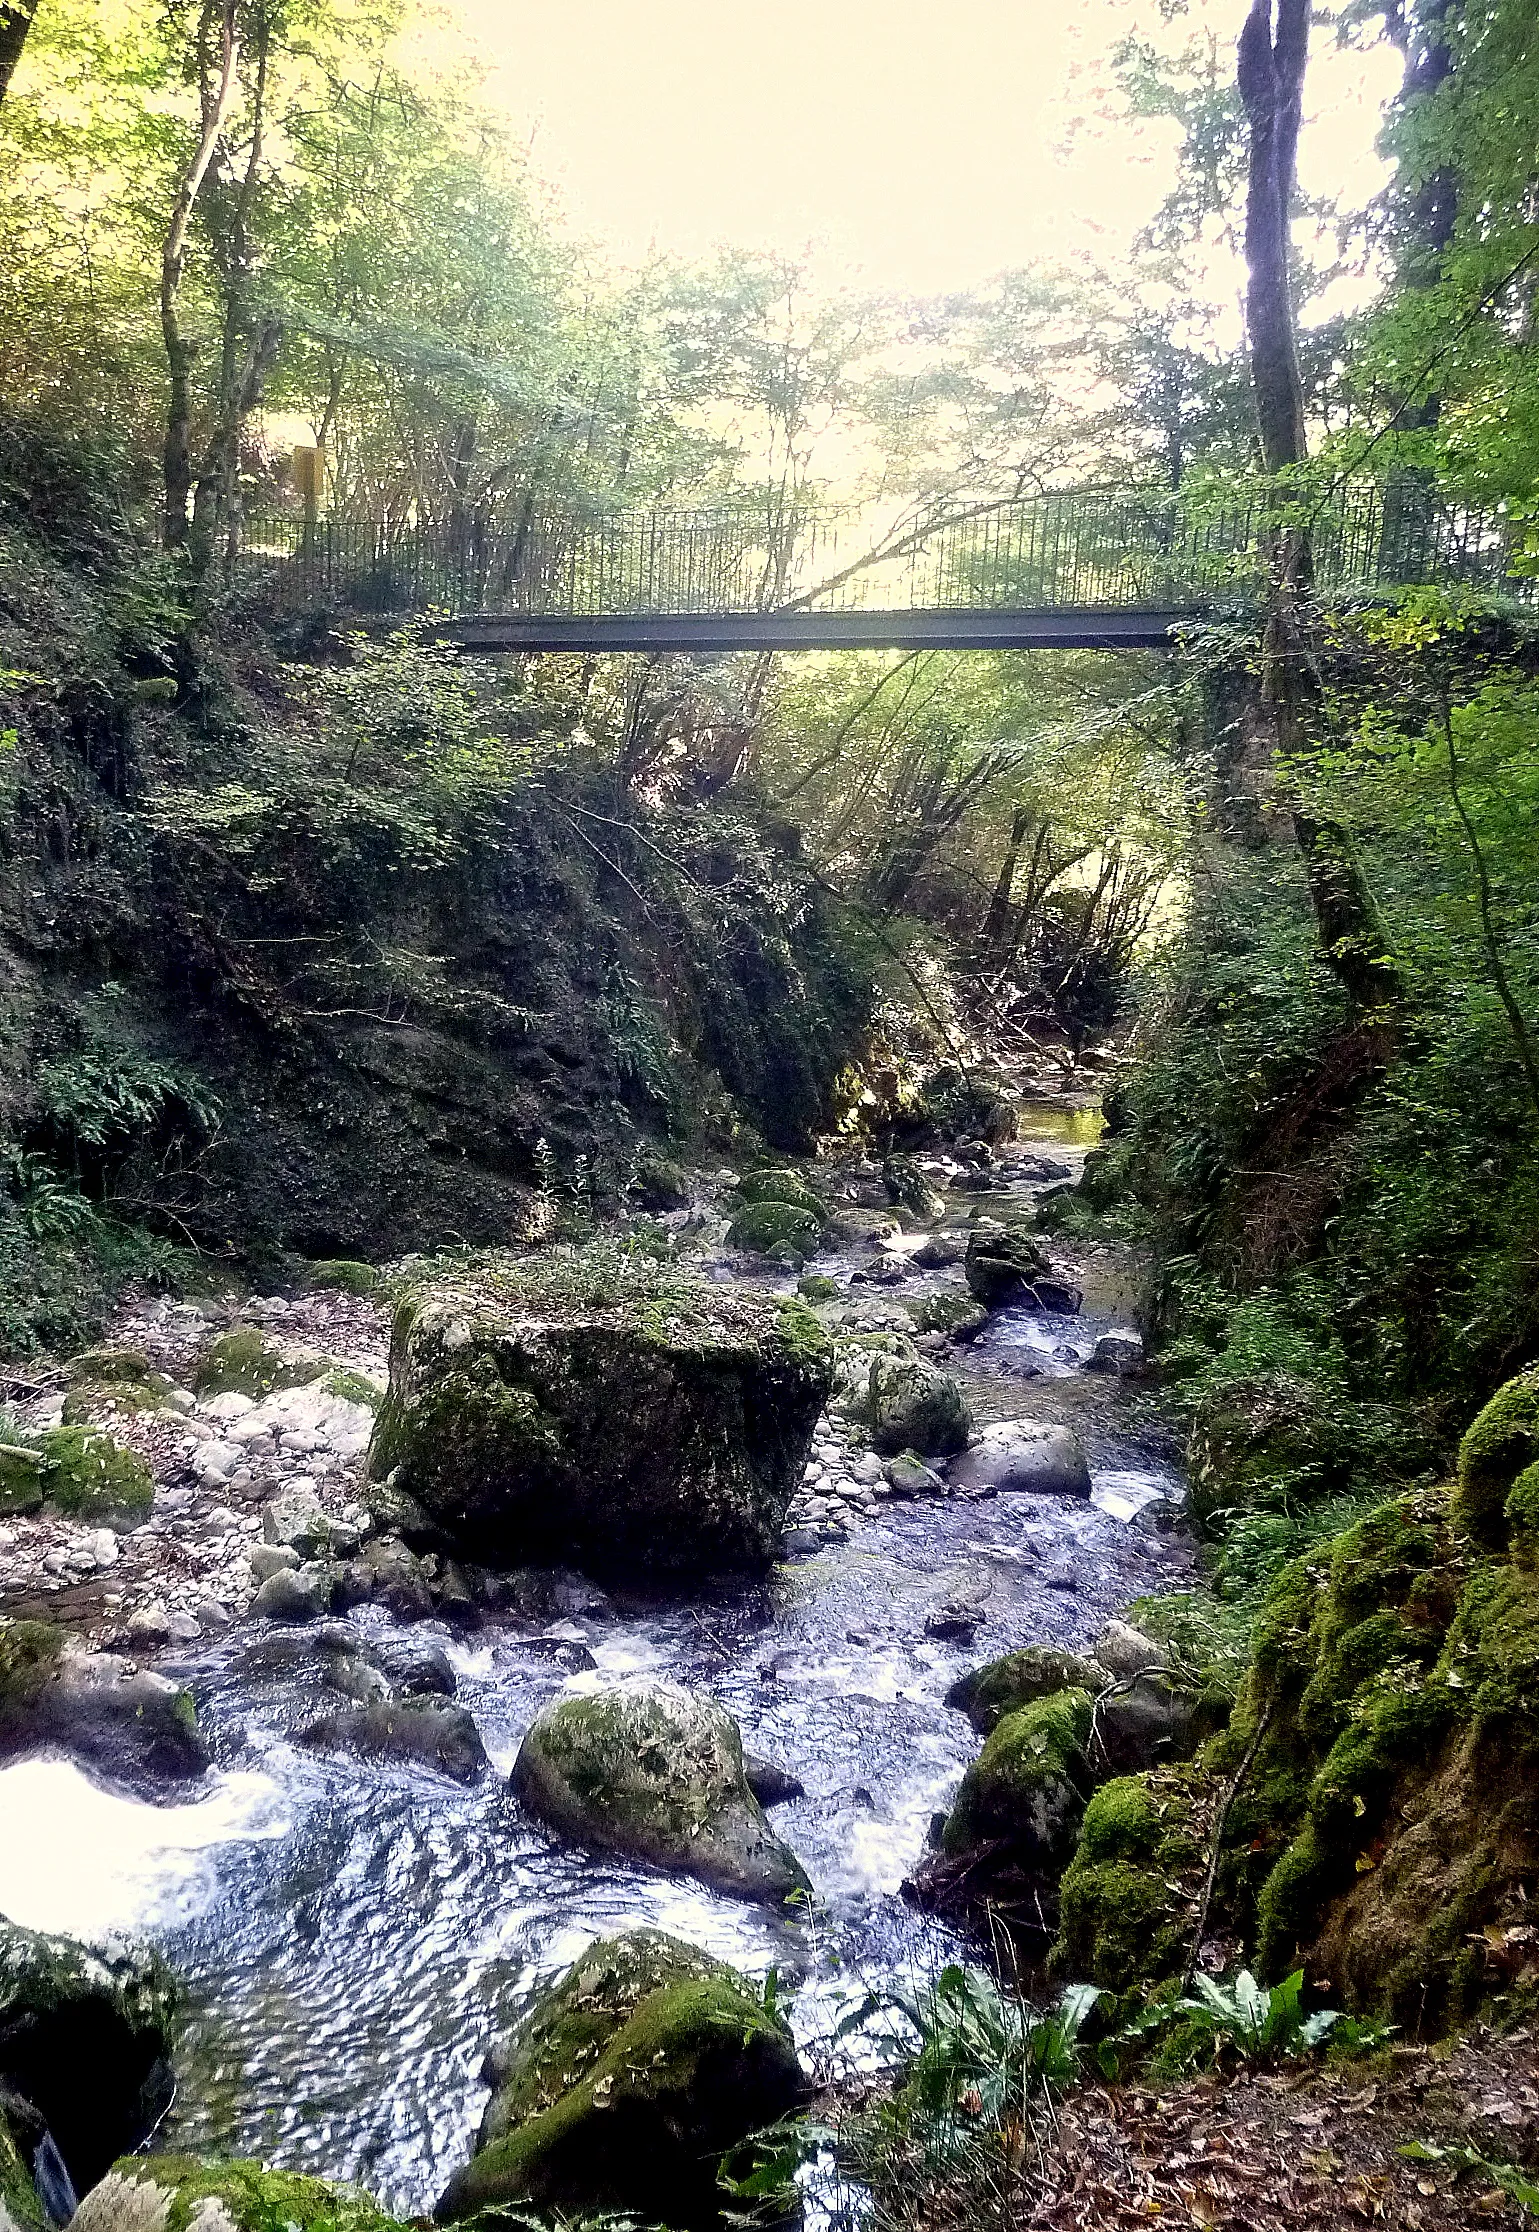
(1067,569)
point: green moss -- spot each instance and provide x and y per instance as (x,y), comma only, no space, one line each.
(765,1226)
(786,1187)
(909,1403)
(353,1387)
(242,1362)
(1127,1903)
(627,2084)
(1502,1442)
(88,1475)
(817,1287)
(1522,1513)
(989,1693)
(1024,1783)
(341,1272)
(257,2199)
(21,1476)
(19,2203)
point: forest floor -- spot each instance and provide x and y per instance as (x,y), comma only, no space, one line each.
(1310,2147)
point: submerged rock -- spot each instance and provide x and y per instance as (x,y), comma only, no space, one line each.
(597,1407)
(626,2086)
(85,2039)
(658,1773)
(1119,1353)
(132,1728)
(430,1730)
(172,2193)
(1044,1460)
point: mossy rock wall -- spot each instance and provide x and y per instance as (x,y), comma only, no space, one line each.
(626,2086)
(611,1411)
(1385,1828)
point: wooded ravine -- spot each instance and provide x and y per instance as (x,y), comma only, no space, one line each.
(769,1418)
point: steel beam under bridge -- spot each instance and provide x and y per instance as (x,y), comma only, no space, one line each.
(1086,628)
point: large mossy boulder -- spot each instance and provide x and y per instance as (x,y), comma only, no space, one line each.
(128,1726)
(85,2039)
(626,2086)
(244,1362)
(1129,1901)
(1501,1444)
(184,2193)
(588,1406)
(1003,1267)
(655,1772)
(775,1228)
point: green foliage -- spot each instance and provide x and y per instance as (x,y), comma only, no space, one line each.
(1257,2022)
(1504,2176)
(984,2056)
(106,1100)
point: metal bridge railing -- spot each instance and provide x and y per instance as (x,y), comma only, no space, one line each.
(1071,549)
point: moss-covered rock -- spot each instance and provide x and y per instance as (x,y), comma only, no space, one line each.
(768,1227)
(132,1728)
(85,2038)
(244,1362)
(626,2086)
(21,1474)
(787,1187)
(1027,1784)
(987,1694)
(908,1188)
(653,1771)
(587,1406)
(429,1730)
(955,1315)
(1502,1443)
(1129,1899)
(104,1380)
(909,1403)
(86,1474)
(183,2193)
(1003,1267)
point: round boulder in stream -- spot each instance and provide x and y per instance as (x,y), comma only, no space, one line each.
(625,2087)
(657,1773)
(591,1406)
(131,1728)
(1021,1455)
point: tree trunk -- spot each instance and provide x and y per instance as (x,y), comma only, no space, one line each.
(216,93)
(15,23)
(1274,48)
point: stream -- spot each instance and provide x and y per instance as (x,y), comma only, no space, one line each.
(353,1933)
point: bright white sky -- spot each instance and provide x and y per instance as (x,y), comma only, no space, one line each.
(918,146)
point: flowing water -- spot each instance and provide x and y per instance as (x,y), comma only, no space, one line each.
(353,1933)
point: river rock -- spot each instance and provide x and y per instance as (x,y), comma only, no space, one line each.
(85,2038)
(269,1558)
(626,2085)
(153,2193)
(132,1728)
(605,1409)
(1149,1720)
(1125,1650)
(658,1773)
(908,1403)
(1118,1352)
(386,1572)
(1002,1267)
(1012,1829)
(907,1474)
(771,1785)
(430,1730)
(306,1593)
(297,1520)
(1021,1455)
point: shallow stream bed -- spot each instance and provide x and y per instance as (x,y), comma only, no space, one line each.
(354,1933)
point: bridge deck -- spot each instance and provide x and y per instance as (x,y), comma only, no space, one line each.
(1089,628)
